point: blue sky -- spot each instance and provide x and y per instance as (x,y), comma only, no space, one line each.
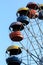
(8,9)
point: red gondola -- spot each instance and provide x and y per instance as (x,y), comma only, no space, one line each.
(16,36)
(32,5)
(16,26)
(33,14)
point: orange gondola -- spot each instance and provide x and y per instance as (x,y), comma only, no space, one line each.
(16,36)
(33,14)
(13,50)
(32,5)
(16,26)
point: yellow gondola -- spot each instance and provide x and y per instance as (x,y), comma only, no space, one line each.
(41,6)
(13,50)
(22,11)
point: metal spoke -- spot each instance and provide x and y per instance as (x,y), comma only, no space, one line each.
(41,33)
(31,43)
(31,55)
(35,39)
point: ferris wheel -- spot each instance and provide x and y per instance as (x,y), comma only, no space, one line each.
(28,32)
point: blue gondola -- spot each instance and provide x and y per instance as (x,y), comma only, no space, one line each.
(41,61)
(40,14)
(13,61)
(23,19)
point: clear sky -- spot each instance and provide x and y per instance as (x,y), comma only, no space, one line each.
(8,9)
